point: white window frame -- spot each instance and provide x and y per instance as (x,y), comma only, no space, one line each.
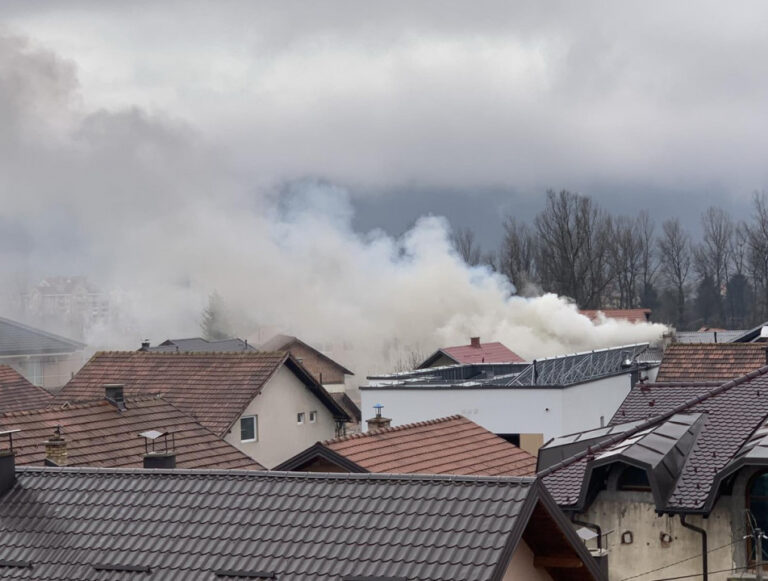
(301,418)
(255,419)
(313,417)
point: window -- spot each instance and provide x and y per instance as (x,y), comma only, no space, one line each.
(300,418)
(249,429)
(633,478)
(757,503)
(312,417)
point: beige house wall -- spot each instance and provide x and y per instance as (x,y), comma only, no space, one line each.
(521,566)
(279,434)
(323,370)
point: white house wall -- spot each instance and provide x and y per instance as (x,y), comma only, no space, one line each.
(280,437)
(585,404)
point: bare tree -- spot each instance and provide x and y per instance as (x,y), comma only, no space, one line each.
(626,259)
(713,254)
(214,322)
(675,254)
(518,255)
(758,252)
(574,239)
(649,258)
(463,241)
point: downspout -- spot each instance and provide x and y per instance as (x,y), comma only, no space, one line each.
(703,534)
(592,526)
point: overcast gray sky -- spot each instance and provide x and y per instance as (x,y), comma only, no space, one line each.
(441,106)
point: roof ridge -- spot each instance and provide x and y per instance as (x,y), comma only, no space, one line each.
(213,354)
(654,420)
(391,429)
(83,404)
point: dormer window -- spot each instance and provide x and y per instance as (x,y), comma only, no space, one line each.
(633,478)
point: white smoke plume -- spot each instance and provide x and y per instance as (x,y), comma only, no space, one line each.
(141,203)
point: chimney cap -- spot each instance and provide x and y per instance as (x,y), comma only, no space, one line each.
(152,434)
(378,407)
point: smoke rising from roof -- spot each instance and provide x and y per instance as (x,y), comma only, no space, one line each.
(142,203)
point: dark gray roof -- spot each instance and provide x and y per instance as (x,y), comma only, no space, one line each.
(66,523)
(19,339)
(200,345)
(560,371)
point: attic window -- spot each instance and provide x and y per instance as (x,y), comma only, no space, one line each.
(249,429)
(300,418)
(312,417)
(633,478)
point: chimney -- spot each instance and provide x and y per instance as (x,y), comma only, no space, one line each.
(7,463)
(113,392)
(378,422)
(144,345)
(56,449)
(474,342)
(156,457)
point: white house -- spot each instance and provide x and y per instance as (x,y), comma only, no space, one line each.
(526,403)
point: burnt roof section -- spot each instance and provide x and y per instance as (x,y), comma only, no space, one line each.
(16,393)
(452,445)
(284,343)
(20,339)
(213,388)
(560,371)
(200,345)
(100,435)
(696,362)
(192,524)
(732,412)
(492,352)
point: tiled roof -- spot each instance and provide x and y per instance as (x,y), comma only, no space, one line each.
(645,401)
(213,388)
(16,393)
(200,345)
(19,339)
(629,315)
(493,352)
(98,434)
(725,336)
(710,361)
(181,525)
(452,445)
(731,413)
(284,343)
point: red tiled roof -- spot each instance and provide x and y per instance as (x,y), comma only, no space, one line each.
(452,445)
(689,362)
(16,393)
(494,352)
(629,315)
(213,388)
(100,435)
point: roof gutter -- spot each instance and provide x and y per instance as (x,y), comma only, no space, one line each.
(703,533)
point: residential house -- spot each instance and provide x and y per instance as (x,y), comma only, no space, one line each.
(200,345)
(331,374)
(72,301)
(626,315)
(525,403)
(475,352)
(119,433)
(265,404)
(80,524)
(452,445)
(16,393)
(45,359)
(702,362)
(679,494)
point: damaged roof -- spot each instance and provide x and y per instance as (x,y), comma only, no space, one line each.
(99,434)
(718,419)
(80,524)
(16,393)
(213,388)
(695,362)
(452,445)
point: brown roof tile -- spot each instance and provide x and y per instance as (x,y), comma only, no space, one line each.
(697,362)
(629,315)
(100,435)
(452,445)
(213,388)
(16,393)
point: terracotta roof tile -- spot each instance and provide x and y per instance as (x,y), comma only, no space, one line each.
(452,445)
(494,352)
(16,393)
(628,315)
(100,435)
(213,388)
(697,362)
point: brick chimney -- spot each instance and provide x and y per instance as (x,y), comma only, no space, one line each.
(7,463)
(56,449)
(113,392)
(474,342)
(378,422)
(159,457)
